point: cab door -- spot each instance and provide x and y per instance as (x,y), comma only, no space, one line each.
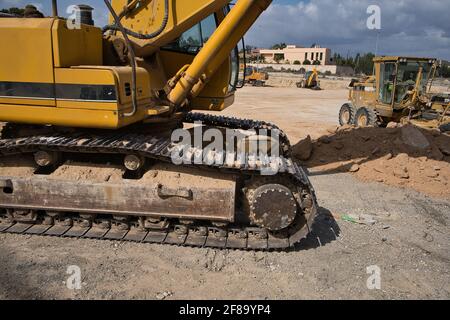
(388,71)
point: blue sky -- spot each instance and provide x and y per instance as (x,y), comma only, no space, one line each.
(408,27)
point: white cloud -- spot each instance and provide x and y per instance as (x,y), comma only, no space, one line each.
(341,25)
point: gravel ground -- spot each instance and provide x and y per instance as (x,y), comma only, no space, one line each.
(409,241)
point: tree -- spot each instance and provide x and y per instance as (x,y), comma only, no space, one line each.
(14,11)
(279,46)
(296,62)
(316,63)
(278,57)
(361,63)
(307,62)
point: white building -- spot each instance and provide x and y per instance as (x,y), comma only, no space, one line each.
(295,55)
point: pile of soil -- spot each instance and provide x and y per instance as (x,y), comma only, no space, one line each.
(289,80)
(403,156)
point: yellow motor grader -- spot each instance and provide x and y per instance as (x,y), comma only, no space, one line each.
(399,91)
(92,142)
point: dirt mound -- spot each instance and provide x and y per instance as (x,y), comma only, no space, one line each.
(288,80)
(405,156)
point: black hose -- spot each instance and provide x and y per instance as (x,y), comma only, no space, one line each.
(152,35)
(132,58)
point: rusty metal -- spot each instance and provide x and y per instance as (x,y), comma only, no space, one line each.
(124,198)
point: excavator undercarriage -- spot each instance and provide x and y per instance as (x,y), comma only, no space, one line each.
(223,202)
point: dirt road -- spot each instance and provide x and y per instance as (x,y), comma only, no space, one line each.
(408,240)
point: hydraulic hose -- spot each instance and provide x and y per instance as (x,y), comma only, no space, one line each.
(132,58)
(137,35)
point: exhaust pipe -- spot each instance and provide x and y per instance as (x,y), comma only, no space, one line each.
(54,8)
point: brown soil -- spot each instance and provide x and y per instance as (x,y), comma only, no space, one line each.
(379,154)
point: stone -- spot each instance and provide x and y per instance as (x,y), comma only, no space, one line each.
(332,130)
(303,149)
(376,150)
(339,146)
(401,173)
(392,125)
(445,149)
(325,139)
(345,127)
(388,156)
(413,137)
(354,168)
(437,154)
(431,173)
(402,158)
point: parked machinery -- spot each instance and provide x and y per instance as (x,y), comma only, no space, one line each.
(398,91)
(111,100)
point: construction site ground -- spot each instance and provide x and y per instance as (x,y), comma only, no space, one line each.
(384,202)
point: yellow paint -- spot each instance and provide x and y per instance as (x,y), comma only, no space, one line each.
(74,47)
(28,101)
(83,118)
(26,51)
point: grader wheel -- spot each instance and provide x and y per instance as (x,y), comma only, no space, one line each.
(366,117)
(347,114)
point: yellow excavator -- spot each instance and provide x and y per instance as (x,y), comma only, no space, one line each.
(99,138)
(253,76)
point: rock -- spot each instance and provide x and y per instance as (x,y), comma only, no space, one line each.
(378,169)
(366,219)
(413,137)
(431,173)
(354,168)
(435,132)
(163,295)
(437,154)
(388,156)
(325,140)
(392,125)
(333,130)
(376,150)
(445,149)
(303,149)
(339,146)
(402,158)
(401,173)
(345,127)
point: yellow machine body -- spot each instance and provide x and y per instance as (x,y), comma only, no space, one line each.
(52,74)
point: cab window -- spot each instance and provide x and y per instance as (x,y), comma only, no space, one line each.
(195,38)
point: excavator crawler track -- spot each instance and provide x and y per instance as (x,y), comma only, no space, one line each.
(39,219)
